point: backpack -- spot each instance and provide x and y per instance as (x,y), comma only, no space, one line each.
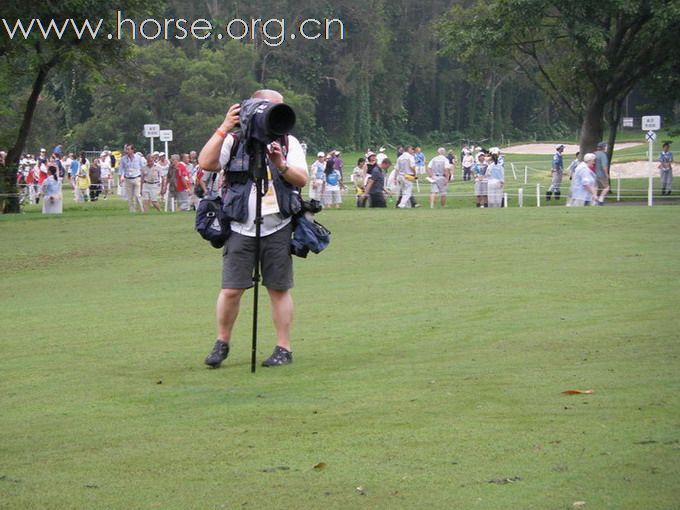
(211,222)
(308,234)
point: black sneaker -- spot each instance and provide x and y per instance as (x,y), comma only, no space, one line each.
(280,356)
(217,355)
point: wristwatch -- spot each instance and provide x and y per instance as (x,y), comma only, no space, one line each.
(285,168)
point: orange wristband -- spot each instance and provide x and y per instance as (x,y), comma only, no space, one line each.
(221,132)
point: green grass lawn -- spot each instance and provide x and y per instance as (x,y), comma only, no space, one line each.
(431,351)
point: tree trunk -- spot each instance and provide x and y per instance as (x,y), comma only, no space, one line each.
(592,127)
(8,181)
(613,120)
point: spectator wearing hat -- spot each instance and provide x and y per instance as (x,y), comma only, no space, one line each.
(106,173)
(601,172)
(666,169)
(380,156)
(317,177)
(42,157)
(557,172)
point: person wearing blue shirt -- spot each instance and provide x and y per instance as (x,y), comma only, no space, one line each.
(419,156)
(331,188)
(557,172)
(666,169)
(318,176)
(51,192)
(601,172)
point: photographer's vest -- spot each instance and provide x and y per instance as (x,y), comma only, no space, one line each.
(238,184)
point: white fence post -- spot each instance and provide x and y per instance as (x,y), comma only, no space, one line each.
(520,197)
(538,195)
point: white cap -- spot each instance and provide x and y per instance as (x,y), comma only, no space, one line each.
(560,146)
(320,155)
(494,150)
(369,154)
(161,153)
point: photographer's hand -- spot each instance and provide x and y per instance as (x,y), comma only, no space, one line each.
(231,120)
(294,175)
(209,158)
(276,156)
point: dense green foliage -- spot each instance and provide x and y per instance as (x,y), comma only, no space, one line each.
(587,56)
(406,72)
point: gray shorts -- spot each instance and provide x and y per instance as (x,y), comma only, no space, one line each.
(440,185)
(481,188)
(238,261)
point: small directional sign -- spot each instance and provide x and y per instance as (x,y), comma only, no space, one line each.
(651,122)
(152,130)
(651,136)
(166,135)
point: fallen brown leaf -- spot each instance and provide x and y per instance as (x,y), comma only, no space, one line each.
(578,392)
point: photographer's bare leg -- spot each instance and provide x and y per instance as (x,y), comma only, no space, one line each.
(282,315)
(228,304)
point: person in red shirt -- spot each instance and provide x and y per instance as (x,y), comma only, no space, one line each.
(179,182)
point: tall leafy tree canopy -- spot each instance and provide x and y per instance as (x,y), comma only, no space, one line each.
(586,56)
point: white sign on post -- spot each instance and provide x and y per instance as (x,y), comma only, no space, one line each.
(651,136)
(651,122)
(628,122)
(152,130)
(165,135)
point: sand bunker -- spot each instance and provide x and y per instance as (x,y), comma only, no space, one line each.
(634,170)
(549,148)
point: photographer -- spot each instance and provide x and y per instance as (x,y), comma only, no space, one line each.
(287,172)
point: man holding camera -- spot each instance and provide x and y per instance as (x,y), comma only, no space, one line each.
(286,173)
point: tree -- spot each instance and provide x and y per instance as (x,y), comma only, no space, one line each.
(43,52)
(586,55)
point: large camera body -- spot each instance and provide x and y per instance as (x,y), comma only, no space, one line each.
(263,121)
